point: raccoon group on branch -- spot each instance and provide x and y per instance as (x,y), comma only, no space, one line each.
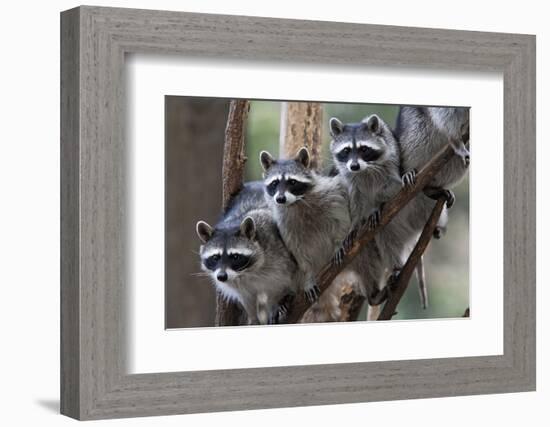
(278,233)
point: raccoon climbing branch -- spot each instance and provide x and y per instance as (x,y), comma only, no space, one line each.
(389,211)
(400,286)
(234,161)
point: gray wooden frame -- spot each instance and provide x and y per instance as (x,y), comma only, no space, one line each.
(94,41)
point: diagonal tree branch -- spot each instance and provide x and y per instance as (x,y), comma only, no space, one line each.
(406,272)
(234,160)
(390,210)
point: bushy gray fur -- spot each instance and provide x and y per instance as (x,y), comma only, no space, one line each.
(423,131)
(248,225)
(372,184)
(313,224)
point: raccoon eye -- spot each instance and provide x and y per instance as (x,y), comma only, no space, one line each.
(364,149)
(274,184)
(234,257)
(215,257)
(346,150)
(292,182)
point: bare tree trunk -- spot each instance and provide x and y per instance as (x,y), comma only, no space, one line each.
(234,161)
(301,126)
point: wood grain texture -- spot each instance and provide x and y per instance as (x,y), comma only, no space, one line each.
(70,221)
(229,313)
(301,126)
(95,274)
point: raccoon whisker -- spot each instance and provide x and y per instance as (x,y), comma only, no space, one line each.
(200,274)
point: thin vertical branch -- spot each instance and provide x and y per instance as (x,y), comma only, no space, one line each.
(234,161)
(406,272)
(234,158)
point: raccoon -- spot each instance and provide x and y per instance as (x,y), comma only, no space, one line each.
(422,132)
(311,211)
(246,257)
(366,156)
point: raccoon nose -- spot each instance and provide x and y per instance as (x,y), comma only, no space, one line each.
(222,276)
(354,167)
(280,199)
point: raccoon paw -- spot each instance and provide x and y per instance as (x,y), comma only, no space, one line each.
(312,294)
(338,258)
(438,232)
(391,284)
(436,193)
(409,178)
(281,311)
(278,315)
(350,240)
(466,160)
(450,196)
(374,220)
(377,296)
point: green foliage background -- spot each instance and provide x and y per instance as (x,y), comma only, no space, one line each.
(446,260)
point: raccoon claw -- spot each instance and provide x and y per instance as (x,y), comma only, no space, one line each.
(409,178)
(436,193)
(279,315)
(374,220)
(338,258)
(313,294)
(350,240)
(283,307)
(450,196)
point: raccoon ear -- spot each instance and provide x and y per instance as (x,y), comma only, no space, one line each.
(204,231)
(373,123)
(266,160)
(248,228)
(336,126)
(303,157)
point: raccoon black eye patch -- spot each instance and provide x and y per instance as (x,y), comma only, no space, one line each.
(272,187)
(238,261)
(212,261)
(298,188)
(369,154)
(343,155)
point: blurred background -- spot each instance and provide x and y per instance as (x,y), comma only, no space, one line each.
(194,147)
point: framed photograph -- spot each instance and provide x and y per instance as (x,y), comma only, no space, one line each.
(261,213)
